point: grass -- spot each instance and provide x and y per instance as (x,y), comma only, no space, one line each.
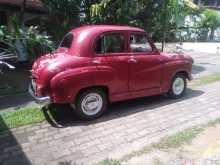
(206,80)
(213,123)
(173,141)
(179,139)
(20,117)
(110,162)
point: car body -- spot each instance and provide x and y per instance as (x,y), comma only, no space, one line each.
(121,62)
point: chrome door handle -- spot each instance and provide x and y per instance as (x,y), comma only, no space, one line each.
(132,60)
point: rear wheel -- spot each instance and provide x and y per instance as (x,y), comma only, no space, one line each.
(178,86)
(90,104)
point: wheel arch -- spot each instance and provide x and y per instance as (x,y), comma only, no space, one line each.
(170,76)
(182,72)
(101,87)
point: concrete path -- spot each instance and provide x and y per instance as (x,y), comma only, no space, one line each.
(205,64)
(127,126)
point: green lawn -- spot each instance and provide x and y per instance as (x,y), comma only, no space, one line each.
(20,117)
(205,80)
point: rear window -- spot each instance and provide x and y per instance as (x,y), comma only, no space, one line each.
(67,41)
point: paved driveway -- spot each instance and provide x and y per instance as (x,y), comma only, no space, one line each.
(126,127)
(205,64)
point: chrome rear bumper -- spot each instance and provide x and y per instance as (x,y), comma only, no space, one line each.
(39,100)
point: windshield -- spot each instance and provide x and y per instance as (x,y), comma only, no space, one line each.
(67,41)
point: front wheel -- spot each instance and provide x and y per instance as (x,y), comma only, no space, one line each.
(178,86)
(90,104)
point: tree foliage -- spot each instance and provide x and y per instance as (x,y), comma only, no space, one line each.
(151,15)
(154,16)
(25,42)
(210,20)
(63,15)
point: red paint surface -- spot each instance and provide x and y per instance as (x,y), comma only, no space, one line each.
(62,74)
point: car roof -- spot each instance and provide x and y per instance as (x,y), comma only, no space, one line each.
(84,36)
(105,28)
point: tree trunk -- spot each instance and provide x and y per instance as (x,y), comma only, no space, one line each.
(164,24)
(23,7)
(21,50)
(212,34)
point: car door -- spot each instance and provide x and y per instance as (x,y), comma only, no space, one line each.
(111,56)
(145,67)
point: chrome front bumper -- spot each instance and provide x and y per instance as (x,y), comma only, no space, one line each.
(39,100)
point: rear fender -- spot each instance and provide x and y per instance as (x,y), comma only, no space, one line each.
(65,85)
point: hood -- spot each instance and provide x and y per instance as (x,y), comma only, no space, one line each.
(177,56)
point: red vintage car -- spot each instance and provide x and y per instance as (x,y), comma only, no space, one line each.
(100,64)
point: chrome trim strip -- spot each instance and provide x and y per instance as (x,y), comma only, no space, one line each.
(39,100)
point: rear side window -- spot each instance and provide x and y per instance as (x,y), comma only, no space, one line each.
(139,43)
(67,41)
(110,43)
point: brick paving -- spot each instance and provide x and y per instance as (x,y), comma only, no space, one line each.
(128,126)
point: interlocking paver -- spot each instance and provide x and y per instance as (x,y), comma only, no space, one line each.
(129,126)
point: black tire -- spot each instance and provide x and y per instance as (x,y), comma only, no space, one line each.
(78,104)
(172,93)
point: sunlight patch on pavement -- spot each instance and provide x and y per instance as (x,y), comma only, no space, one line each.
(212,150)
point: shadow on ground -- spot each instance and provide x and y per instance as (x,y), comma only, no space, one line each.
(15,102)
(61,116)
(196,69)
(11,152)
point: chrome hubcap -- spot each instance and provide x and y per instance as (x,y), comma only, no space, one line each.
(178,86)
(92,104)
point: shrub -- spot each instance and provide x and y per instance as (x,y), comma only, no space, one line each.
(26,43)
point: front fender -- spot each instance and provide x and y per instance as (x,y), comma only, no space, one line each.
(172,68)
